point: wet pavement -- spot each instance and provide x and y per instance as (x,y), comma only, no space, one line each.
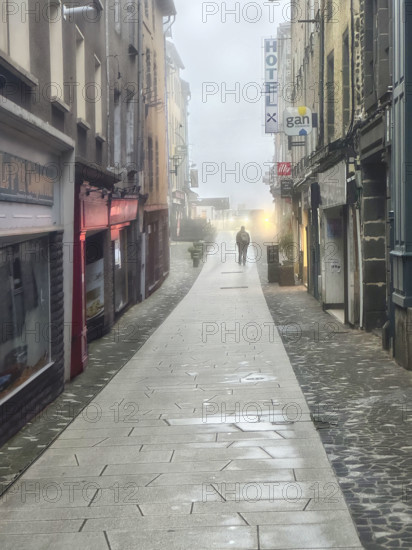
(106,357)
(361,403)
(202,440)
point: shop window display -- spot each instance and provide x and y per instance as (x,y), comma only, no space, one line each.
(24,313)
(121,291)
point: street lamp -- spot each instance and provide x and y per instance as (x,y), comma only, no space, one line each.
(176,161)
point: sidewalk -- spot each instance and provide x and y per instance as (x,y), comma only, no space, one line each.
(361,402)
(203,440)
(106,356)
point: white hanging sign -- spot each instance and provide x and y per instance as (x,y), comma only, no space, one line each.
(271,86)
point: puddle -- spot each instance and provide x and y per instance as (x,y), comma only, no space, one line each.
(258,378)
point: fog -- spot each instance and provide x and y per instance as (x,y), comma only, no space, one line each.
(223,53)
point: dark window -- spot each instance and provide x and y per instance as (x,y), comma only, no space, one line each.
(345,80)
(148,76)
(330,96)
(329,10)
(57,118)
(375,51)
(157,165)
(155,78)
(150,161)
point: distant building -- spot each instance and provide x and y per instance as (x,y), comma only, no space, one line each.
(178,96)
(155,184)
(211,209)
(349,209)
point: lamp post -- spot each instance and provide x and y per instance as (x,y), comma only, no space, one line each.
(176,160)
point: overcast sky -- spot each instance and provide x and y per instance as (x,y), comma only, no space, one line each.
(225,129)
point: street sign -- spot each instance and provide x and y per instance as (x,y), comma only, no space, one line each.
(297,121)
(286,188)
(271,86)
(284,168)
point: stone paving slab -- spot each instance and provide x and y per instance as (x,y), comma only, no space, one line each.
(62,541)
(193,464)
(360,400)
(216,538)
(106,357)
(335,534)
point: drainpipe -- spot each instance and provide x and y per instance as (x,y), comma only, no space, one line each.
(109,151)
(140,108)
(352,39)
(141,264)
(358,234)
(321,78)
(170,196)
(171,24)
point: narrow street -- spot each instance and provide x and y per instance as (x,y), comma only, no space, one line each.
(205,275)
(202,440)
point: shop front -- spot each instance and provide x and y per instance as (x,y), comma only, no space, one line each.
(123,232)
(91,223)
(332,185)
(32,307)
(157,248)
(104,266)
(178,212)
(339,229)
(24,311)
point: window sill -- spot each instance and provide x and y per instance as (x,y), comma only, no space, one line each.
(17,70)
(26,383)
(100,138)
(83,124)
(59,104)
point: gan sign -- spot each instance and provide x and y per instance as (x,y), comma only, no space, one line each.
(297,121)
(271,86)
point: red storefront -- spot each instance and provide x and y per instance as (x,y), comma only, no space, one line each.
(103,270)
(123,233)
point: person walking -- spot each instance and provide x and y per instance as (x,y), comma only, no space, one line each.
(242,241)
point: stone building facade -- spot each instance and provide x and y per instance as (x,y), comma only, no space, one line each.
(83,193)
(337,178)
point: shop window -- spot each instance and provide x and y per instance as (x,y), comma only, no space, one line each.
(95,285)
(121,290)
(25,313)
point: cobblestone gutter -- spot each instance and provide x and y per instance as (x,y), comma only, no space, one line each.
(361,402)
